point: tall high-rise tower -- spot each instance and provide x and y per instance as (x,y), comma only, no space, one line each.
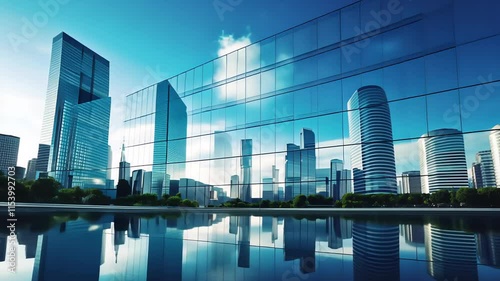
(370,132)
(75,124)
(442,160)
(487,170)
(9,149)
(307,162)
(246,170)
(124,167)
(495,152)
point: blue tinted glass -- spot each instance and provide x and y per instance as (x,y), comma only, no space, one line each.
(253,57)
(284,76)
(441,71)
(330,97)
(349,21)
(441,111)
(329,29)
(479,107)
(405,112)
(268,82)
(208,70)
(284,106)
(267,52)
(252,112)
(268,109)
(475,20)
(253,87)
(284,46)
(478,61)
(398,77)
(329,64)
(305,70)
(305,38)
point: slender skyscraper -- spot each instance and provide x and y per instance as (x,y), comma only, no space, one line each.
(495,151)
(442,160)
(31,169)
(484,159)
(76,120)
(307,162)
(292,171)
(246,170)
(370,132)
(124,168)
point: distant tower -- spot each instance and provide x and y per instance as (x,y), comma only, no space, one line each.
(124,172)
(477,176)
(9,149)
(410,182)
(234,188)
(495,152)
(340,182)
(370,132)
(307,162)
(292,171)
(246,170)
(484,159)
(31,169)
(442,160)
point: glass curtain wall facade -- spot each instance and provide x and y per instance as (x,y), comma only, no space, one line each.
(75,126)
(287,95)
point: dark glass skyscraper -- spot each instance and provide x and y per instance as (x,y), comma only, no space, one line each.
(9,148)
(75,124)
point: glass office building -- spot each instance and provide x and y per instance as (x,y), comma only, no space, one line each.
(9,149)
(74,139)
(283,101)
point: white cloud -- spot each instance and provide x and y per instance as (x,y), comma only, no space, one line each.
(228,44)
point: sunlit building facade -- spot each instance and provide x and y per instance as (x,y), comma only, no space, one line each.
(442,160)
(303,90)
(74,138)
(495,152)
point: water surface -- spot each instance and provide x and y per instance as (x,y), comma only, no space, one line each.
(204,246)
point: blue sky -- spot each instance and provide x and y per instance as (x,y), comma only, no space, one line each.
(145,42)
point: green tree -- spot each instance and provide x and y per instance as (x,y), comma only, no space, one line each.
(440,196)
(467,196)
(265,204)
(300,201)
(123,189)
(174,201)
(43,190)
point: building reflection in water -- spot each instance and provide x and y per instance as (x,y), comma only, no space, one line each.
(299,242)
(244,241)
(451,254)
(63,248)
(488,249)
(200,246)
(338,229)
(375,251)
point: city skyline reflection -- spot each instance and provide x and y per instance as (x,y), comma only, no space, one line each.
(205,246)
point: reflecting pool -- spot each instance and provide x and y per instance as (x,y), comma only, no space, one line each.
(216,246)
